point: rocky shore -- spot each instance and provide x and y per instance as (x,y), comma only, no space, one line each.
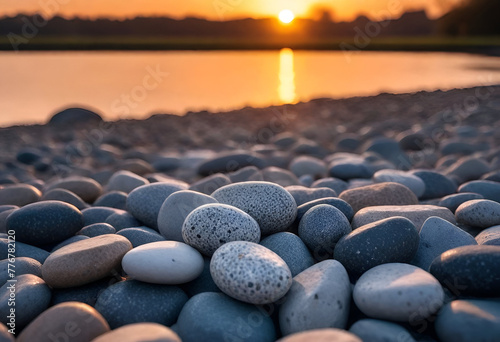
(360,219)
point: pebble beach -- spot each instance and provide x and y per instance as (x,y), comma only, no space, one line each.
(359,219)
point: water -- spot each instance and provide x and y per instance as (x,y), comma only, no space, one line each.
(34,85)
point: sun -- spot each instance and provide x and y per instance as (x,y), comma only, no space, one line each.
(286,16)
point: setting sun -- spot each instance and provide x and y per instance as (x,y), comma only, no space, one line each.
(286,16)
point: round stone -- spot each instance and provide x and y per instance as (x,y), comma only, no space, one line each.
(176,208)
(212,225)
(133,301)
(349,168)
(85,261)
(321,335)
(46,222)
(141,235)
(375,330)
(479,213)
(341,205)
(72,320)
(64,195)
(412,182)
(164,262)
(398,292)
(98,214)
(19,194)
(337,185)
(490,236)
(452,202)
(321,228)
(306,165)
(269,204)
(386,241)
(319,298)
(216,317)
(210,183)
(250,272)
(112,199)
(140,332)
(85,188)
(125,181)
(470,270)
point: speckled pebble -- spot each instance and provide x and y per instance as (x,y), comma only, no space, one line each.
(479,213)
(250,272)
(490,236)
(212,225)
(269,204)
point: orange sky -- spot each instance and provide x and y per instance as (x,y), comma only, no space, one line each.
(221,9)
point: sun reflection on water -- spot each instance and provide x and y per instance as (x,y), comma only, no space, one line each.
(287,77)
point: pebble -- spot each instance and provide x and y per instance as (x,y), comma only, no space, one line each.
(375,330)
(469,270)
(85,188)
(469,320)
(390,240)
(166,163)
(132,301)
(468,168)
(415,213)
(488,189)
(212,225)
(452,202)
(203,283)
(436,184)
(321,228)
(163,262)
(19,195)
(412,182)
(337,185)
(291,249)
(145,201)
(307,165)
(85,261)
(112,199)
(76,321)
(28,156)
(250,272)
(210,183)
(46,222)
(269,204)
(137,166)
(122,220)
(490,236)
(24,250)
(319,298)
(139,236)
(87,293)
(3,219)
(98,214)
(438,236)
(72,116)
(229,161)
(216,317)
(140,332)
(379,194)
(69,241)
(32,297)
(349,168)
(279,176)
(176,208)
(246,174)
(322,335)
(22,265)
(398,292)
(97,229)
(341,205)
(479,213)
(64,195)
(302,194)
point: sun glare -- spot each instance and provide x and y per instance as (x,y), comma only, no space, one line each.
(286,16)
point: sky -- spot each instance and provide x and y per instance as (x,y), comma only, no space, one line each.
(222,9)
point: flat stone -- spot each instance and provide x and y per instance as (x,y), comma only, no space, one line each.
(380,331)
(396,292)
(469,320)
(250,272)
(229,161)
(436,184)
(379,194)
(85,188)
(112,199)
(97,229)
(452,202)
(32,298)
(176,208)
(469,270)
(438,236)
(321,335)
(488,189)
(210,183)
(145,201)
(415,213)
(216,317)
(291,249)
(139,236)
(85,261)
(390,240)
(412,182)
(321,228)
(302,194)
(212,225)
(164,262)
(19,194)
(319,298)
(341,205)
(45,222)
(22,265)
(132,301)
(479,213)
(269,204)
(78,321)
(140,332)
(64,195)
(490,236)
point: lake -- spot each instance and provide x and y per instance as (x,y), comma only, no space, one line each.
(34,85)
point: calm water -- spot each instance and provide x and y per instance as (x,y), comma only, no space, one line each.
(33,85)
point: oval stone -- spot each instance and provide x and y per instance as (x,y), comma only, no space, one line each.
(19,194)
(412,182)
(479,213)
(250,272)
(490,236)
(85,188)
(269,204)
(164,262)
(46,222)
(85,261)
(140,332)
(375,330)
(322,335)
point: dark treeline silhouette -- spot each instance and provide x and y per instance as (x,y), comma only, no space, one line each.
(473,17)
(410,24)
